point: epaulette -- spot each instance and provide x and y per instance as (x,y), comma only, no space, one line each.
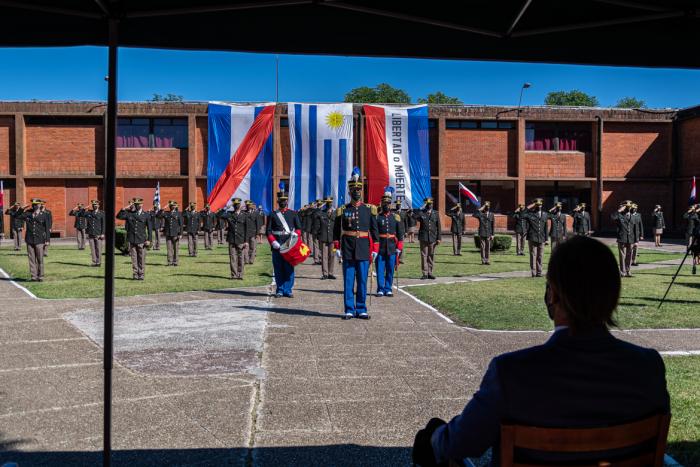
(397,217)
(373,209)
(339,211)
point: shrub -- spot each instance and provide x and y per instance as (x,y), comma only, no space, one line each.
(120,242)
(500,242)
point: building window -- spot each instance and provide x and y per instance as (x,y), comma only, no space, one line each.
(432,123)
(479,124)
(152,133)
(284,122)
(549,136)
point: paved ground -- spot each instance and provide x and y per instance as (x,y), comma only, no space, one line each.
(238,378)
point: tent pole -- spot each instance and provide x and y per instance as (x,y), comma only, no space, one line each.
(110,208)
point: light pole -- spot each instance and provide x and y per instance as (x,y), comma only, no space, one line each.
(525,86)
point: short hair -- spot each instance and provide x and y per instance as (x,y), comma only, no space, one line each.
(585,275)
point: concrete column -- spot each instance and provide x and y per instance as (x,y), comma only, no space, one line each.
(20,159)
(520,163)
(191,158)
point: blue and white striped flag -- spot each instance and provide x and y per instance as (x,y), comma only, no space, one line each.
(322,155)
(156,196)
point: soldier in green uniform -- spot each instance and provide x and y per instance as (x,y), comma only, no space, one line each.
(457,229)
(49,216)
(486,230)
(220,227)
(411,226)
(428,236)
(659,223)
(582,220)
(138,234)
(38,232)
(80,224)
(520,218)
(156,225)
(209,222)
(403,216)
(557,225)
(261,223)
(252,219)
(191,221)
(95,230)
(638,232)
(317,245)
(536,235)
(323,231)
(172,229)
(238,235)
(625,237)
(16,224)
(691,219)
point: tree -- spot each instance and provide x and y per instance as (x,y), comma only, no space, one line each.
(571,98)
(439,98)
(166,98)
(630,103)
(381,94)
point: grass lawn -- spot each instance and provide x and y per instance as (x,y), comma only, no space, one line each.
(518,303)
(682,375)
(469,264)
(69,274)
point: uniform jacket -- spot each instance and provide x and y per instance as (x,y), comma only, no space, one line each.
(49,215)
(486,223)
(172,223)
(356,218)
(191,221)
(691,220)
(252,220)
(657,219)
(536,226)
(429,225)
(625,227)
(520,222)
(156,221)
(209,220)
(324,221)
(410,220)
(260,220)
(275,229)
(80,222)
(238,226)
(138,226)
(638,226)
(38,229)
(95,221)
(582,222)
(457,226)
(16,221)
(557,227)
(389,224)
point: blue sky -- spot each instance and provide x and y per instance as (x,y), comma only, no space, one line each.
(77,73)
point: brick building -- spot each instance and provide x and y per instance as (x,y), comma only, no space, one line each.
(55,150)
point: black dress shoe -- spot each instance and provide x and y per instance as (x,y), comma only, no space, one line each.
(331,276)
(424,276)
(323,278)
(430,276)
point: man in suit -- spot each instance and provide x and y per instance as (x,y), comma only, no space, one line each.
(390,231)
(157,225)
(536,235)
(486,229)
(37,235)
(323,230)
(95,230)
(191,221)
(238,236)
(16,224)
(209,222)
(582,377)
(282,224)
(638,232)
(80,224)
(625,236)
(138,234)
(172,230)
(520,218)
(582,220)
(557,227)
(428,236)
(456,229)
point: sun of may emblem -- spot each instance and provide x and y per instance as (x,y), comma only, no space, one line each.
(335,120)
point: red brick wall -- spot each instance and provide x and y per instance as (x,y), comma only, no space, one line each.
(201,141)
(54,192)
(479,153)
(689,147)
(7,145)
(201,193)
(645,194)
(558,164)
(637,149)
(63,150)
(151,162)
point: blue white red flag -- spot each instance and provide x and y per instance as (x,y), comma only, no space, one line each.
(397,152)
(321,141)
(240,154)
(470,195)
(2,195)
(693,193)
(156,196)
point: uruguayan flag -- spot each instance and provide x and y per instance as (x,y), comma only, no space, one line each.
(322,156)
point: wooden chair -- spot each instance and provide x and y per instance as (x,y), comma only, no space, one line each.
(570,440)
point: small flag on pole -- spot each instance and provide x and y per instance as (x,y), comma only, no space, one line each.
(451,197)
(693,193)
(469,194)
(156,196)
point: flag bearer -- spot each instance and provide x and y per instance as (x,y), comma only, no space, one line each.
(428,236)
(95,229)
(486,228)
(16,224)
(80,224)
(355,237)
(282,224)
(156,224)
(323,230)
(238,235)
(557,228)
(209,222)
(172,229)
(390,231)
(536,235)
(38,232)
(138,234)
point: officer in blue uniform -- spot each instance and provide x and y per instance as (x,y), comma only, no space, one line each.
(390,228)
(281,225)
(356,240)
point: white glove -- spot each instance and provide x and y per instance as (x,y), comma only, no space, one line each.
(293,234)
(339,254)
(398,252)
(275,245)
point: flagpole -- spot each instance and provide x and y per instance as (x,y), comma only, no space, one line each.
(277,78)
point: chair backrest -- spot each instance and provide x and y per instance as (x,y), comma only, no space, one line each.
(590,440)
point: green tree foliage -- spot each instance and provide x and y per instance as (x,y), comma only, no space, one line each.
(630,103)
(381,94)
(571,98)
(166,98)
(439,98)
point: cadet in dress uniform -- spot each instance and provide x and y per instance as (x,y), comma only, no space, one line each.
(390,230)
(238,235)
(220,226)
(38,232)
(411,226)
(356,241)
(657,218)
(582,220)
(49,215)
(536,235)
(691,220)
(625,237)
(172,230)
(260,223)
(78,212)
(306,227)
(156,225)
(323,230)
(486,228)
(138,234)
(457,229)
(520,218)
(428,236)
(638,232)
(317,245)
(252,219)
(557,225)
(281,225)
(403,216)
(16,224)
(209,222)
(95,230)
(191,221)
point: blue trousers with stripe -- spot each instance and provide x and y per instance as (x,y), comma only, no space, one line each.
(284,273)
(385,272)
(355,273)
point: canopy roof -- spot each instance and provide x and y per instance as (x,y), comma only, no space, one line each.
(656,33)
